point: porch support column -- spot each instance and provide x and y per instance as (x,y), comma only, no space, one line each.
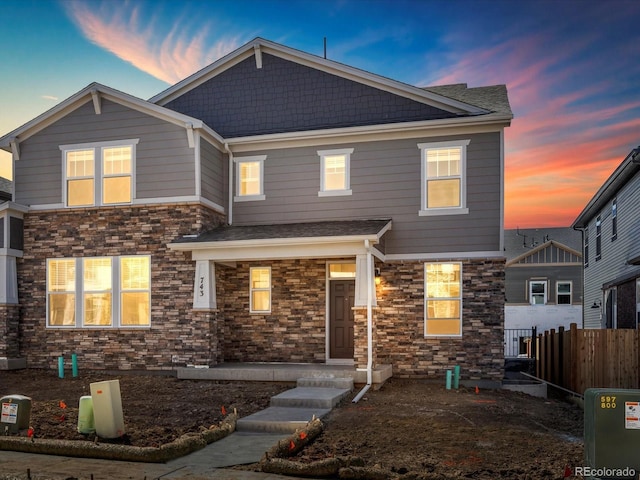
(11,246)
(204,287)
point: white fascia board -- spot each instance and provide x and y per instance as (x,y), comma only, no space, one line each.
(277,242)
(88,94)
(390,131)
(448,256)
(281,252)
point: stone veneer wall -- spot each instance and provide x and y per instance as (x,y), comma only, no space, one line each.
(9,331)
(294,331)
(399,324)
(178,335)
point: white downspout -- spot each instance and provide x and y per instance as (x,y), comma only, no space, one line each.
(230,209)
(369,324)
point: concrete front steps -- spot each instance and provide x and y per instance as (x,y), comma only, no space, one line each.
(293,409)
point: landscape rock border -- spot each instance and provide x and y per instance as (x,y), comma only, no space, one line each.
(347,468)
(180,447)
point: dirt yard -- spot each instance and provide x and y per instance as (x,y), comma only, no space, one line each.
(410,428)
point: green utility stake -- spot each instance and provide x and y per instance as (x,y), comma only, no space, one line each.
(448,379)
(74,365)
(61,367)
(456,376)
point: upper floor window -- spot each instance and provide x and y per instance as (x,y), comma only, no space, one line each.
(335,172)
(538,292)
(598,238)
(250,178)
(443,299)
(260,289)
(99,173)
(586,247)
(443,177)
(106,292)
(614,219)
(563,293)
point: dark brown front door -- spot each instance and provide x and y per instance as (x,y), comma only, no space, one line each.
(341,297)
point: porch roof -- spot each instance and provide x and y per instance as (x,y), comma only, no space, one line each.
(290,240)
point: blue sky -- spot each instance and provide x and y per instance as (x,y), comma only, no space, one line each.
(572,67)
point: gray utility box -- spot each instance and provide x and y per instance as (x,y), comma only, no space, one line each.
(16,413)
(612,432)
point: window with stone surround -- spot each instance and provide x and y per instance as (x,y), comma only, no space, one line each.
(443,171)
(443,299)
(260,289)
(249,178)
(98,173)
(335,172)
(101,292)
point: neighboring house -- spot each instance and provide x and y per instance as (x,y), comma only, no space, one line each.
(273,207)
(6,189)
(543,283)
(610,226)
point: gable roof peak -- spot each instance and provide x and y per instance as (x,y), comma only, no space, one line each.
(258,46)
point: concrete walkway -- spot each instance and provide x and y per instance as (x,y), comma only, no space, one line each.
(254,435)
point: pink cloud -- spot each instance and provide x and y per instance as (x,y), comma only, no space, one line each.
(567,135)
(118,28)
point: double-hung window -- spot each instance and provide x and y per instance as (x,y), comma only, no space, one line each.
(443,172)
(614,219)
(598,238)
(99,173)
(538,292)
(250,178)
(260,289)
(443,299)
(563,293)
(335,172)
(100,292)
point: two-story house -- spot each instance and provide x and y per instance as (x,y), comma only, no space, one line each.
(610,226)
(543,284)
(275,206)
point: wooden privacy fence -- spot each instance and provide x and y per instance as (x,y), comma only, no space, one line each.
(577,359)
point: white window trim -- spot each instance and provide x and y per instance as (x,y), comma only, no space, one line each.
(558,283)
(347,172)
(98,174)
(546,291)
(251,290)
(249,198)
(462,209)
(424,272)
(79,292)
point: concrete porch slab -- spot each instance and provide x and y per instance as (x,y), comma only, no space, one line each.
(282,372)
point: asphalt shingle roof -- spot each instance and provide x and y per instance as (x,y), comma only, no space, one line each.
(523,240)
(493,98)
(290,230)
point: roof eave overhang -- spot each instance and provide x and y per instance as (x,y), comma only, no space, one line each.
(90,94)
(621,175)
(313,61)
(279,248)
(403,129)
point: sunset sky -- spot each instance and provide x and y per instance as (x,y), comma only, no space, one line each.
(572,68)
